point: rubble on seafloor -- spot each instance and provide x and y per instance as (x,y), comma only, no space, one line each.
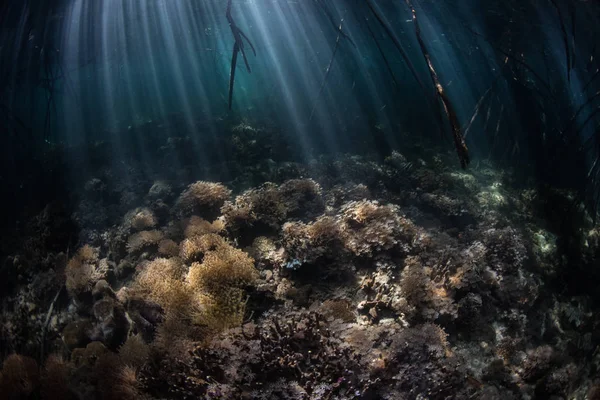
(345,278)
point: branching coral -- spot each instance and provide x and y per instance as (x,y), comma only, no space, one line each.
(269,205)
(134,352)
(301,197)
(202,198)
(193,248)
(308,242)
(84,270)
(266,253)
(168,248)
(414,282)
(162,281)
(506,249)
(368,227)
(295,349)
(220,279)
(197,226)
(142,219)
(262,205)
(144,239)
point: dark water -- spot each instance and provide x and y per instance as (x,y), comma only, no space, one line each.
(299,199)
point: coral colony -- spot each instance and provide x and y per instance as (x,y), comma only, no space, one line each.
(421,284)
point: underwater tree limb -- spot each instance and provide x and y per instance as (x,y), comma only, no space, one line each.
(480,102)
(596,74)
(565,39)
(335,26)
(573,11)
(515,59)
(459,142)
(396,42)
(335,49)
(385,60)
(238,47)
(580,109)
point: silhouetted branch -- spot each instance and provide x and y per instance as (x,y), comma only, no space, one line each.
(385,60)
(517,60)
(459,142)
(238,46)
(565,39)
(335,49)
(396,42)
(596,74)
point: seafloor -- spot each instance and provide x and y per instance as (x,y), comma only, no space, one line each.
(338,277)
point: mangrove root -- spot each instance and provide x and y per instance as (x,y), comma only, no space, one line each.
(238,46)
(459,142)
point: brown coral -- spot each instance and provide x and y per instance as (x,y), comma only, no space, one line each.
(161,281)
(219,281)
(202,198)
(308,242)
(143,219)
(197,226)
(262,205)
(223,267)
(84,270)
(168,248)
(369,227)
(144,239)
(134,352)
(19,376)
(193,248)
(55,378)
(301,197)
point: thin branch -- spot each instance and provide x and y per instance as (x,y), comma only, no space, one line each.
(332,20)
(479,104)
(335,49)
(385,60)
(515,59)
(459,142)
(396,42)
(238,46)
(596,74)
(565,39)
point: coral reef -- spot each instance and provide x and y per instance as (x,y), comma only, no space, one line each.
(343,278)
(202,198)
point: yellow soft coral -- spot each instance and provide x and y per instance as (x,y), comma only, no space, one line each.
(162,281)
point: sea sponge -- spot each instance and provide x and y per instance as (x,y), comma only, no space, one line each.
(144,239)
(19,377)
(369,227)
(202,198)
(84,270)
